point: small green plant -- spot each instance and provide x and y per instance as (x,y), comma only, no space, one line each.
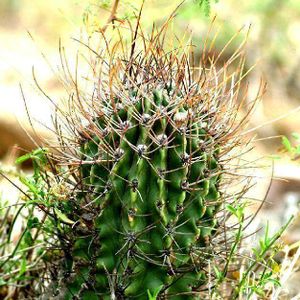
(206,5)
(21,241)
(292,150)
(264,277)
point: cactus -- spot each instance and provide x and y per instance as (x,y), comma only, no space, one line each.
(155,191)
(146,149)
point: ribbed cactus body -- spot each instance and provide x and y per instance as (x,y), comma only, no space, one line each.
(149,148)
(152,175)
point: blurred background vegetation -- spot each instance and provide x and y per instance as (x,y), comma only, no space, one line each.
(30,31)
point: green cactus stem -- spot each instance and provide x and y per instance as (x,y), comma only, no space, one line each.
(147,144)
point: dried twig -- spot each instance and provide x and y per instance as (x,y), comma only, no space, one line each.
(112,17)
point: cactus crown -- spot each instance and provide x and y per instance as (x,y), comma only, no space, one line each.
(145,155)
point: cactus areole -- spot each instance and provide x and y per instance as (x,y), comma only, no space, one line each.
(147,156)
